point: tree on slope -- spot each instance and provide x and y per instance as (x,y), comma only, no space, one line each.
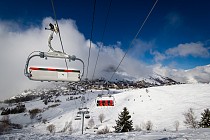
(101,117)
(190,119)
(205,119)
(5,124)
(124,124)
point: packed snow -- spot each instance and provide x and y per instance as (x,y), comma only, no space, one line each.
(199,134)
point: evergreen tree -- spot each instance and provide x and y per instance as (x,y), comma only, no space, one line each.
(124,124)
(205,119)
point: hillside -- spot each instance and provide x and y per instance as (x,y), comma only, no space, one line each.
(161,105)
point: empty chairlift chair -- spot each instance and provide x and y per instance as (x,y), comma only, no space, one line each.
(87,116)
(52,74)
(78,117)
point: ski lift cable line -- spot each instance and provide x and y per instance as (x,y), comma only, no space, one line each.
(134,38)
(91,36)
(102,38)
(58,31)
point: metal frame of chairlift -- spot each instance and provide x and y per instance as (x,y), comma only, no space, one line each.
(53,74)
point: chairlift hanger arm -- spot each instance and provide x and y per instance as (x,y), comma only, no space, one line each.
(54,28)
(57,54)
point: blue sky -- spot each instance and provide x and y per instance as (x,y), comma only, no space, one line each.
(177,34)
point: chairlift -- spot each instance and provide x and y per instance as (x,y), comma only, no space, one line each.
(86,112)
(78,118)
(87,116)
(105,100)
(52,74)
(79,112)
(86,108)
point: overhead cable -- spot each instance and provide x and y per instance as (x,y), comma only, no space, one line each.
(134,38)
(91,36)
(59,30)
(102,38)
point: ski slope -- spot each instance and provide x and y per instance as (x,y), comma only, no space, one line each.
(161,105)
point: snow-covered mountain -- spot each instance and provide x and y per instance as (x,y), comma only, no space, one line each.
(162,105)
(200,74)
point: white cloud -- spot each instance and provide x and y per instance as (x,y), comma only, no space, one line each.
(198,74)
(182,50)
(178,75)
(139,48)
(193,49)
(158,57)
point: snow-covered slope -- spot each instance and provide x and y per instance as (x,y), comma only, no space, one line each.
(198,134)
(161,105)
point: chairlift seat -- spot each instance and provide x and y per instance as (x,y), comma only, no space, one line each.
(87,116)
(53,74)
(77,119)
